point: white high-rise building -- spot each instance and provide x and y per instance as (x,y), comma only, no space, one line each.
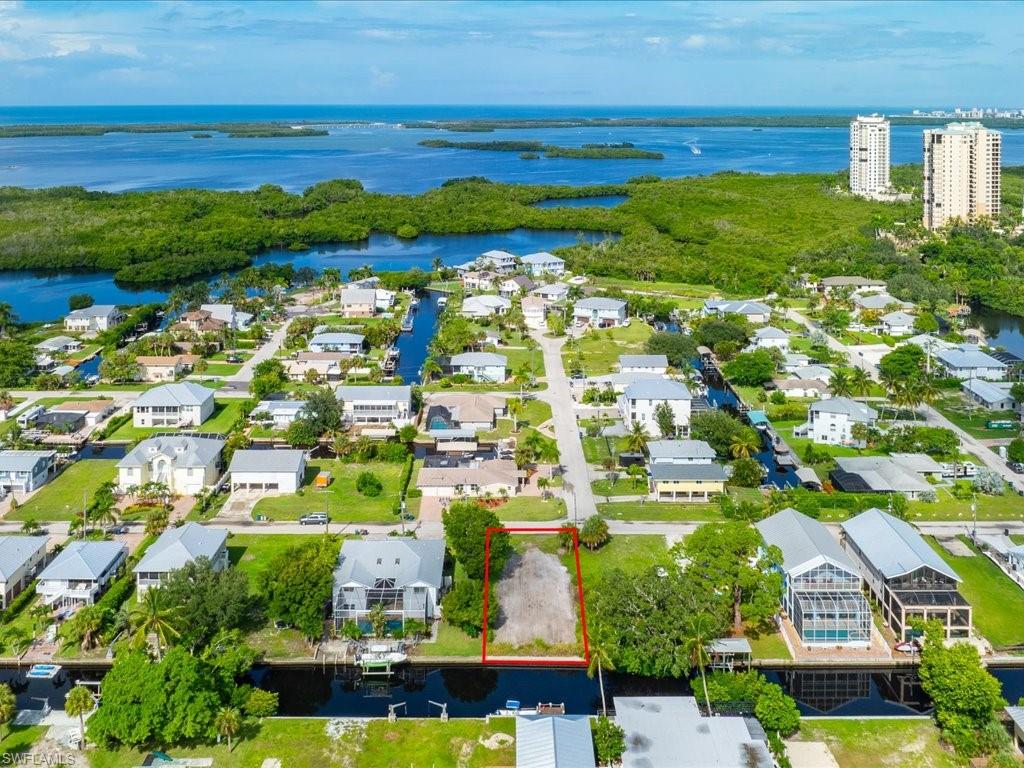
(869,155)
(961,173)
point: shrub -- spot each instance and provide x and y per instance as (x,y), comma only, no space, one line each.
(609,741)
(369,484)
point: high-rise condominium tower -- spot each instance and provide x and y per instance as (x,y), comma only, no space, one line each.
(869,155)
(961,173)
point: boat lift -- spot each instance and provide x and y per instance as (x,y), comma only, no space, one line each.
(444,709)
(393,711)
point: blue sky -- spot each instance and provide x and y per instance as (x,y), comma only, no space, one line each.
(604,53)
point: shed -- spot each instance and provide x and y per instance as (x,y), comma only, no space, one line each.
(323,479)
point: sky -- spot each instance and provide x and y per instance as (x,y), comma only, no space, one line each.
(911,54)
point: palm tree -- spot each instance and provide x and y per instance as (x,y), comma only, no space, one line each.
(89,623)
(78,703)
(860,382)
(548,454)
(151,616)
(340,443)
(436,264)
(430,369)
(840,384)
(515,408)
(697,649)
(636,440)
(7,318)
(599,661)
(228,723)
(743,444)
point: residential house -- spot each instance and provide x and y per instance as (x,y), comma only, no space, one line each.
(484,306)
(552,293)
(671,732)
(185,464)
(165,367)
(640,400)
(852,283)
(199,321)
(793,360)
(232,318)
(59,345)
(324,366)
(879,302)
(898,323)
(93,411)
(906,577)
(20,557)
(803,388)
(358,302)
(376,404)
(63,423)
(679,452)
(475,478)
(543,263)
(905,473)
(967,361)
(403,576)
(479,281)
(345,343)
(822,594)
(534,312)
(177,547)
(618,382)
(25,471)
(819,372)
(280,413)
(830,422)
(480,366)
(458,410)
(599,312)
(80,573)
(755,312)
(183,404)
(643,364)
(516,285)
(267,470)
(993,395)
(502,261)
(94,319)
(686,482)
(770,338)
(554,741)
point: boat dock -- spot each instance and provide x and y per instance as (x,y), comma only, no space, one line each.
(390,362)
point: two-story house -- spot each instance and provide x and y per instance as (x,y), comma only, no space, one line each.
(542,263)
(232,318)
(176,548)
(831,421)
(358,302)
(684,470)
(182,404)
(376,404)
(94,319)
(643,364)
(80,573)
(480,366)
(599,312)
(20,558)
(25,471)
(640,400)
(185,464)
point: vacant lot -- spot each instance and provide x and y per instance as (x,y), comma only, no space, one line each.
(873,743)
(535,594)
(64,497)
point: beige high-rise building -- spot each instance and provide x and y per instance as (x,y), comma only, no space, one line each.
(961,173)
(869,155)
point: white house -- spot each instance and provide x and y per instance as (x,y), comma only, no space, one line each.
(20,556)
(281,413)
(819,372)
(463,411)
(680,452)
(98,317)
(552,292)
(24,471)
(476,478)
(503,261)
(898,323)
(879,301)
(831,421)
(165,367)
(599,312)
(543,263)
(325,365)
(534,312)
(176,548)
(481,366)
(404,576)
(802,388)
(346,343)
(484,306)
(81,573)
(59,345)
(185,464)
(852,283)
(643,364)
(793,360)
(515,285)
(376,404)
(183,404)
(640,400)
(479,281)
(227,314)
(967,361)
(770,338)
(993,395)
(93,411)
(267,470)
(753,311)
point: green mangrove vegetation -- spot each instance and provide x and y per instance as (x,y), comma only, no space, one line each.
(621,151)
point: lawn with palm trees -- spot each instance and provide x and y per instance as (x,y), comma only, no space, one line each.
(64,497)
(597,351)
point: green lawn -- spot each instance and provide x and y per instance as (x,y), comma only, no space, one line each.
(251,553)
(596,449)
(767,645)
(225,414)
(63,497)
(19,739)
(340,499)
(1009,506)
(683,290)
(599,350)
(535,412)
(896,743)
(655,511)
(451,641)
(517,358)
(998,603)
(623,486)
(531,508)
(628,553)
(971,418)
(221,369)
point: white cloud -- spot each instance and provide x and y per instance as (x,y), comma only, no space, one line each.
(385,34)
(695,42)
(654,40)
(381,79)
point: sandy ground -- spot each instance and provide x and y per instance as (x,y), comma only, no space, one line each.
(535,595)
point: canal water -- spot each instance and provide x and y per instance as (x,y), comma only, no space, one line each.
(474,691)
(1001,328)
(412,346)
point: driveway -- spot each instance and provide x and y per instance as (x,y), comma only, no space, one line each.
(240,381)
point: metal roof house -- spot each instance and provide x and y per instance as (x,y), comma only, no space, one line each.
(19,558)
(405,576)
(995,396)
(686,482)
(183,404)
(968,362)
(81,573)
(640,400)
(903,473)
(754,311)
(680,452)
(543,262)
(671,732)
(177,547)
(554,741)
(376,404)
(281,413)
(484,305)
(822,596)
(480,366)
(599,312)
(830,421)
(98,317)
(905,575)
(25,471)
(185,464)
(643,364)
(278,470)
(346,343)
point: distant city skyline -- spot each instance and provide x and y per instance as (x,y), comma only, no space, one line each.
(927,55)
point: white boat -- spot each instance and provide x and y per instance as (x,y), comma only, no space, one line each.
(43,671)
(381,657)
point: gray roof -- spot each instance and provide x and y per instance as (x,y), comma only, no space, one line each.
(96,310)
(56,342)
(407,561)
(179,546)
(1017,715)
(338,338)
(892,546)
(349,394)
(855,410)
(769,332)
(967,357)
(877,301)
(23,461)
(559,288)
(541,257)
(177,394)
(554,741)
(885,474)
(679,449)
(643,361)
(479,359)
(657,389)
(853,280)
(802,540)
(253,460)
(899,317)
(730,645)
(183,450)
(279,406)
(83,561)
(988,391)
(669,732)
(15,551)
(709,472)
(600,302)
(358,296)
(738,307)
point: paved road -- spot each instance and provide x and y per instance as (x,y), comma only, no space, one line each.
(240,381)
(854,356)
(971,444)
(579,499)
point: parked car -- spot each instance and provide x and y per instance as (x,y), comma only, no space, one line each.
(1016,466)
(317,518)
(114,530)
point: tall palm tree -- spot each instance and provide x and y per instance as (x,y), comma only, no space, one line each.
(743,444)
(548,454)
(636,440)
(152,616)
(515,407)
(228,723)
(696,646)
(599,661)
(860,382)
(840,384)
(436,264)
(431,368)
(78,703)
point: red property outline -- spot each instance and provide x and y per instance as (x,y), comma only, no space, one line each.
(536,661)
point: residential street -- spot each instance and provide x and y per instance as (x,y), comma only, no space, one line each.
(239,383)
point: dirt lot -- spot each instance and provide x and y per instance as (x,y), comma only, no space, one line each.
(535,595)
